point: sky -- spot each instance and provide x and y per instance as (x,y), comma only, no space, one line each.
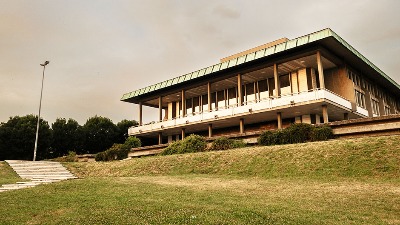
(99,50)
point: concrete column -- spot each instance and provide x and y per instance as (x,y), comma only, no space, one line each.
(279,118)
(169,139)
(183,133)
(183,103)
(240,91)
(320,71)
(160,108)
(159,138)
(277,83)
(241,124)
(140,114)
(346,116)
(325,113)
(313,79)
(209,96)
(210,130)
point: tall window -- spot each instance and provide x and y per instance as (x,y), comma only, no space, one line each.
(375,106)
(387,110)
(360,98)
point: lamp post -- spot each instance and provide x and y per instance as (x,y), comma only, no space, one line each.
(40,106)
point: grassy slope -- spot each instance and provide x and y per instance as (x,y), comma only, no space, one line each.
(7,175)
(335,182)
(372,157)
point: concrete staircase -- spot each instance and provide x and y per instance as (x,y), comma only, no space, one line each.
(38,172)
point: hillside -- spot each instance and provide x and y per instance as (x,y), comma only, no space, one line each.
(369,157)
(353,181)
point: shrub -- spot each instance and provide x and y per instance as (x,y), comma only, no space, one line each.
(132,142)
(116,152)
(100,157)
(192,143)
(224,143)
(173,148)
(299,132)
(268,138)
(322,133)
(71,157)
(296,133)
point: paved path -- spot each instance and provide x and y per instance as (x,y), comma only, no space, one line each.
(38,172)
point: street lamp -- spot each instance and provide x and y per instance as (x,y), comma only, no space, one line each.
(40,106)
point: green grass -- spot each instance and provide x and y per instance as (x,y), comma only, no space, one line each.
(7,175)
(336,182)
(372,157)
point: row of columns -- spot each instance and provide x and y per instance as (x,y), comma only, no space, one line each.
(241,124)
(240,91)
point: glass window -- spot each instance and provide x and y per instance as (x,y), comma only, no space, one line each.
(221,95)
(250,89)
(284,80)
(205,99)
(387,110)
(231,93)
(360,99)
(189,103)
(375,106)
(262,85)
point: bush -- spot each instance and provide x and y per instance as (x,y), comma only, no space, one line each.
(224,143)
(173,148)
(268,138)
(296,133)
(116,152)
(132,142)
(322,133)
(299,132)
(192,143)
(71,157)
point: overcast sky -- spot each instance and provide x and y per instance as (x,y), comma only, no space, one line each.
(99,50)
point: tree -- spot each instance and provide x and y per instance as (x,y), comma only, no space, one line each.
(67,136)
(100,133)
(123,127)
(17,138)
(132,142)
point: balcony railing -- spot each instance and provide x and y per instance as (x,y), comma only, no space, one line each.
(247,107)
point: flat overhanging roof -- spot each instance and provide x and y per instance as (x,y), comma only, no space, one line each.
(325,38)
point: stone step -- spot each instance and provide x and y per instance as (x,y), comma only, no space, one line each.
(45,181)
(54,177)
(44,173)
(13,188)
(38,172)
(37,167)
(18,185)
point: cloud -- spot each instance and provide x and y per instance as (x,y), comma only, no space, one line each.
(226,12)
(99,50)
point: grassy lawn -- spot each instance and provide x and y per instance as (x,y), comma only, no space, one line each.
(7,175)
(336,182)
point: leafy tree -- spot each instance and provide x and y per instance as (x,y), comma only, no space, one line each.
(67,136)
(123,127)
(100,133)
(17,138)
(132,142)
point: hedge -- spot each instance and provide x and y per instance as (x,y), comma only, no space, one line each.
(192,143)
(224,143)
(296,133)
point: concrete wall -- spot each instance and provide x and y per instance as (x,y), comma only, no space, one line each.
(336,80)
(302,80)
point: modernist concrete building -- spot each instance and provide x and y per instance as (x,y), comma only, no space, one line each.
(316,78)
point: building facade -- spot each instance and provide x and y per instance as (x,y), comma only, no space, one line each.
(316,78)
